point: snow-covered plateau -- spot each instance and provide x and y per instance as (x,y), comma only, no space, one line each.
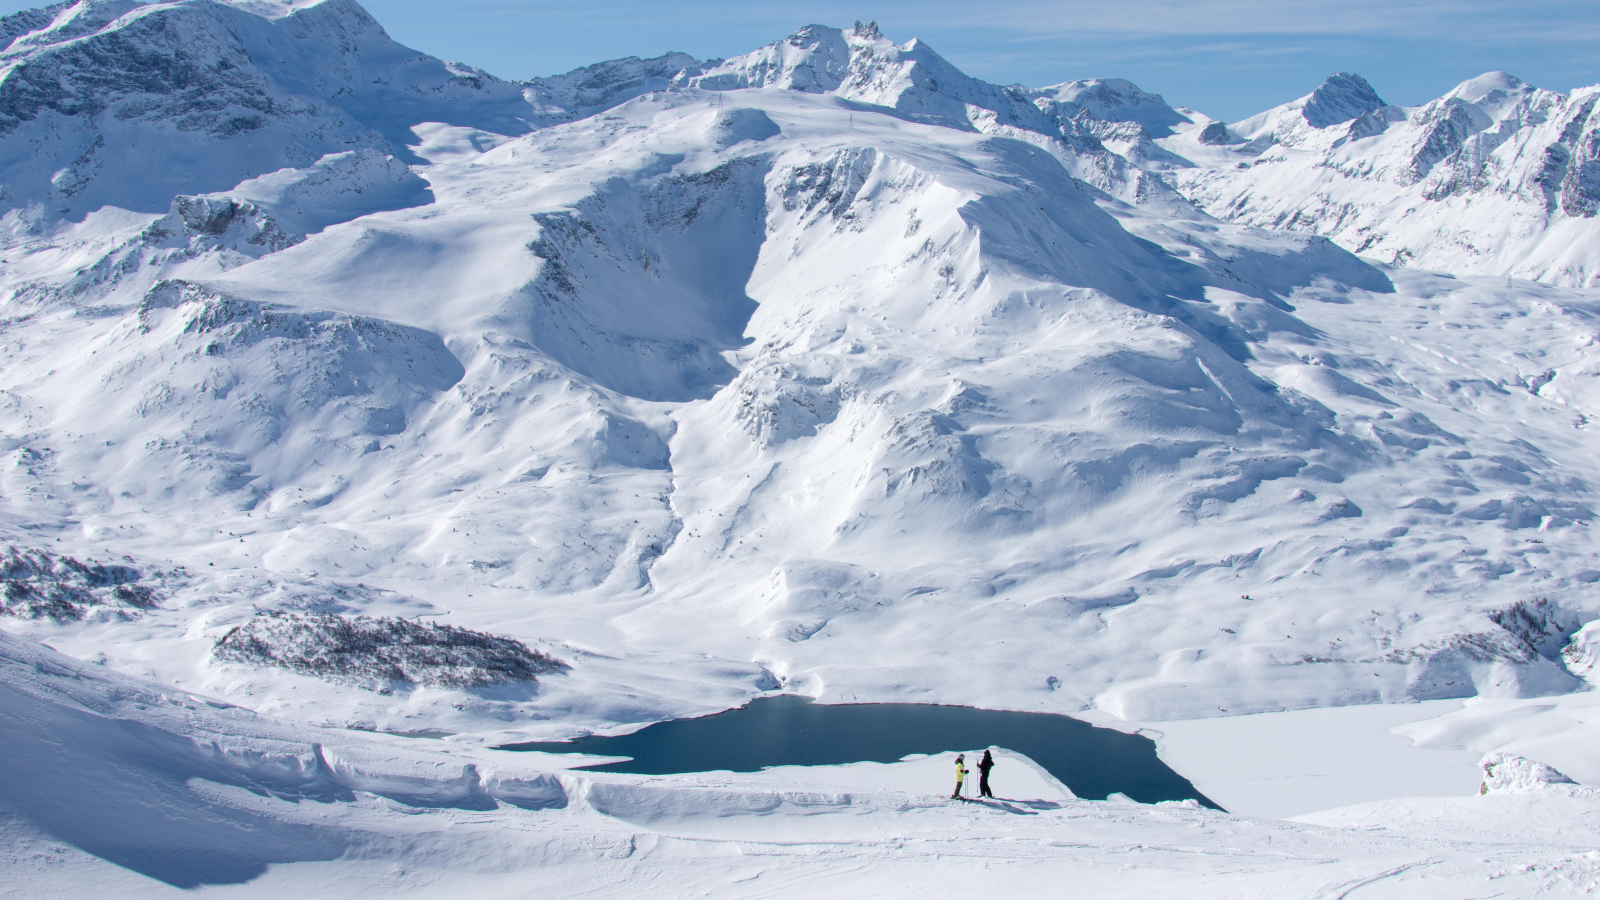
(361,412)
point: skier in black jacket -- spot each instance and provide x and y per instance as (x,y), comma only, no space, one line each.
(984,765)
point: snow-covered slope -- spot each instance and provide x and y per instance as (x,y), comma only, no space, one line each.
(121,788)
(1496,177)
(755,382)
(826,368)
(111,102)
(114,103)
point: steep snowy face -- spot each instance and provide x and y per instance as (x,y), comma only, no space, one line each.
(1100,129)
(1112,100)
(815,59)
(1496,94)
(590,89)
(1495,177)
(1342,98)
(113,103)
(1339,99)
(122,104)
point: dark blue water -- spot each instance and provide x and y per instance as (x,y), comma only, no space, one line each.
(792,731)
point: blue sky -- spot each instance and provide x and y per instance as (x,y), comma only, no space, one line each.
(1228,58)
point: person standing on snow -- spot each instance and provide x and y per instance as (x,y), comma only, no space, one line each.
(961,775)
(984,765)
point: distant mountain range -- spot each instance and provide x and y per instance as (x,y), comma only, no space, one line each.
(825,368)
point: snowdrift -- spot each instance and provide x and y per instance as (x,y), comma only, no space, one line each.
(192,791)
(168,791)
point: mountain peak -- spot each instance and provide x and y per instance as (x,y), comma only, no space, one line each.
(1114,100)
(814,59)
(1494,93)
(1344,96)
(1473,89)
(589,89)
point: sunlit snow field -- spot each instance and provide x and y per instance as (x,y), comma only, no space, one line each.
(826,370)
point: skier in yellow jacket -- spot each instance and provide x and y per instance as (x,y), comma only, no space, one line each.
(961,775)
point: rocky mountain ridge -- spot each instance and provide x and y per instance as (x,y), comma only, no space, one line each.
(761,376)
(1497,177)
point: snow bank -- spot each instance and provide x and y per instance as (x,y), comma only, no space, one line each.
(1509,773)
(193,791)
(731,126)
(1582,653)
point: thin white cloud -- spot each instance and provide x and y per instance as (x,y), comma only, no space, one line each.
(1564,20)
(1462,20)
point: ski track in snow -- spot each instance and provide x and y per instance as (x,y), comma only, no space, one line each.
(825,369)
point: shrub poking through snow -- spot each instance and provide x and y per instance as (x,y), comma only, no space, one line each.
(1539,624)
(383,652)
(36,585)
(1508,773)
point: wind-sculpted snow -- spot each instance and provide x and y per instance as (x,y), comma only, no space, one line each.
(136,788)
(1509,773)
(193,791)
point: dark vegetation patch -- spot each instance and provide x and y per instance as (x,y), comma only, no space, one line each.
(38,585)
(1539,625)
(382,653)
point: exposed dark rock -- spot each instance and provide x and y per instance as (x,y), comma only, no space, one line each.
(38,585)
(381,653)
(1341,98)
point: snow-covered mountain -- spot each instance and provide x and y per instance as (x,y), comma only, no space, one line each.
(826,368)
(1496,177)
(126,104)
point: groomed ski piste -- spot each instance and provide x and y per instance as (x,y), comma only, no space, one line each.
(363,412)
